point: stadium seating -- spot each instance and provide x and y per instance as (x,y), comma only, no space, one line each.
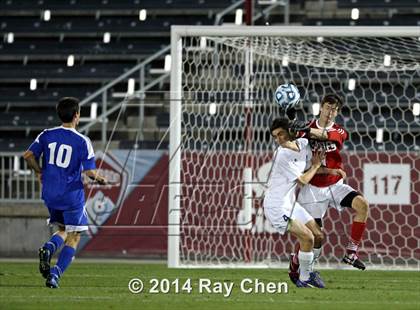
(396,20)
(121,5)
(378,4)
(40,50)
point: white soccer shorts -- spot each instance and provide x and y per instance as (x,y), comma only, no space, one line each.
(316,200)
(279,216)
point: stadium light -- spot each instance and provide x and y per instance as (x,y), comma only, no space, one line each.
(167,66)
(379,135)
(285,61)
(70,61)
(203,42)
(387,60)
(107,37)
(315,108)
(130,87)
(416,109)
(355,14)
(238,16)
(47,15)
(33,84)
(142,14)
(93,110)
(212,108)
(10,37)
(352,84)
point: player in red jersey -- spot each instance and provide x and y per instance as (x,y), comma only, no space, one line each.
(329,190)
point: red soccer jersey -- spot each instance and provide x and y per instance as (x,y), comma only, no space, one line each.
(336,137)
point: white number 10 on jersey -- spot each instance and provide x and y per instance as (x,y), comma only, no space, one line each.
(63,155)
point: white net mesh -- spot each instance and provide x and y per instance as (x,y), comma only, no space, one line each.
(227,107)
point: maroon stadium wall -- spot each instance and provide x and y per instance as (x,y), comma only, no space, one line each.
(136,224)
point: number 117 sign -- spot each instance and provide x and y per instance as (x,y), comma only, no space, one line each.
(387,183)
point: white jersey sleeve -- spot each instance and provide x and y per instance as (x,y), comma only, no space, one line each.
(305,148)
(302,143)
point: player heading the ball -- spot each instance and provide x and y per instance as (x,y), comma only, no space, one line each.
(293,164)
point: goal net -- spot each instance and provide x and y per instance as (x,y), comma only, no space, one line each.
(222,85)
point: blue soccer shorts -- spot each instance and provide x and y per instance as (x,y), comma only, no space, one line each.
(74,220)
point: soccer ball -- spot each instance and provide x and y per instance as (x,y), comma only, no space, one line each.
(287,96)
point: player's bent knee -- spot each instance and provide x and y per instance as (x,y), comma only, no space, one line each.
(308,238)
(318,237)
(361,205)
(62,234)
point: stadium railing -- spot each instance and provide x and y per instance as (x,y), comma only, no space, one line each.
(17,182)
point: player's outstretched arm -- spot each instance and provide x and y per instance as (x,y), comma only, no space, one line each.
(319,134)
(95,176)
(316,163)
(304,130)
(338,136)
(325,170)
(32,162)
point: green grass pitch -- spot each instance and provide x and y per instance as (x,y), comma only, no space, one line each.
(105,286)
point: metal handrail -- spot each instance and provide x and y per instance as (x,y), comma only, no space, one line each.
(103,116)
(151,58)
(267,10)
(125,75)
(227,11)
(140,67)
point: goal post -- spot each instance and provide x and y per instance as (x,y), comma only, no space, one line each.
(221,104)
(174,189)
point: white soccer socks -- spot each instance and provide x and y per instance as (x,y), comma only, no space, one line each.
(305,260)
(317,254)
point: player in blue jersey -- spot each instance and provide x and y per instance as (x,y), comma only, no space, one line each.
(65,155)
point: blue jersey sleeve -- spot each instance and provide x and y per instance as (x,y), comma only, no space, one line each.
(88,156)
(37,146)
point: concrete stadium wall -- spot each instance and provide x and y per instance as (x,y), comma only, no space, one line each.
(23,229)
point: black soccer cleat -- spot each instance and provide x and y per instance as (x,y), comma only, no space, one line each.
(353,260)
(44,261)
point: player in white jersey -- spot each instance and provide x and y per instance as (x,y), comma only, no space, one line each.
(294,164)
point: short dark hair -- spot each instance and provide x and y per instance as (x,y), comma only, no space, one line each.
(67,108)
(282,122)
(332,99)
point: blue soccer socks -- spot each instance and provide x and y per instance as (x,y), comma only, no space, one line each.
(64,260)
(54,244)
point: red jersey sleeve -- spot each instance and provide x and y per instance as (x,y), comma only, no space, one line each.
(337,135)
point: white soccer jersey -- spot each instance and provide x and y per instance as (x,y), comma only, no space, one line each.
(288,165)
